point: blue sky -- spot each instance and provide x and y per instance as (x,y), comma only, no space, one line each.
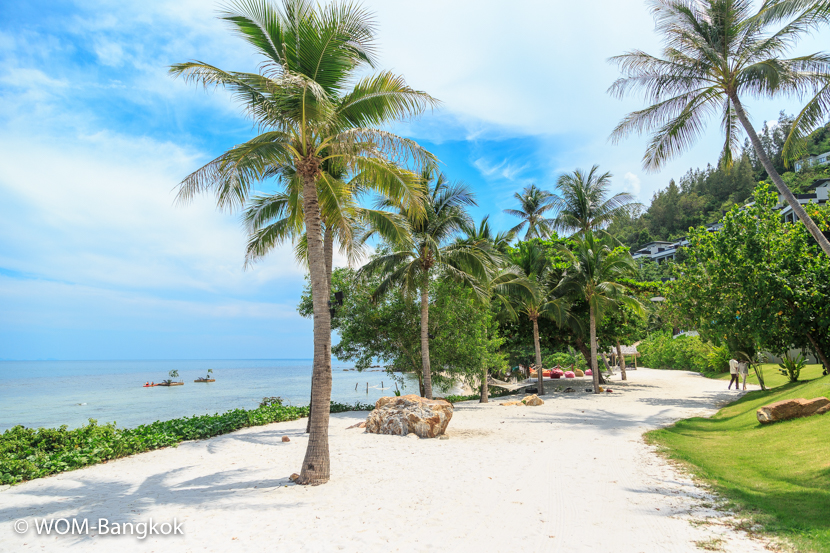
(97,263)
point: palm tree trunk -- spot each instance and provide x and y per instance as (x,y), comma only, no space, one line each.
(484,387)
(776,178)
(425,340)
(316,466)
(328,249)
(539,371)
(621,361)
(594,367)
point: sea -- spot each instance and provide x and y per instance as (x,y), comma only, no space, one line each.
(54,393)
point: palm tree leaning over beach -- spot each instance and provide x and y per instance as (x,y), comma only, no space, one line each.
(311,113)
(534,203)
(717,52)
(413,266)
(594,272)
(585,204)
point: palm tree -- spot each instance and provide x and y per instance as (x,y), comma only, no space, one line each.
(276,218)
(594,272)
(412,266)
(301,100)
(538,300)
(585,205)
(499,241)
(716,52)
(533,204)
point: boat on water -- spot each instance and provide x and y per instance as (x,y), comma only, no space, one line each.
(205,380)
(180,383)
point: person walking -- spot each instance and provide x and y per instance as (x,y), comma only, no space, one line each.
(743,370)
(733,372)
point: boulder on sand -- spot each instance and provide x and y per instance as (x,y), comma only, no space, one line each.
(792,409)
(533,400)
(402,415)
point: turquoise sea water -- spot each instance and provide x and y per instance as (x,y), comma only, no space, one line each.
(52,393)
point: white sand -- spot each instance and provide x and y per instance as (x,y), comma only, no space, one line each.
(572,475)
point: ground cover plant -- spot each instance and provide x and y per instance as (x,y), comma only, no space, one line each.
(28,453)
(777,474)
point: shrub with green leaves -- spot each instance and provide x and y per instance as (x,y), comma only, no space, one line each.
(791,366)
(661,351)
(562,359)
(28,453)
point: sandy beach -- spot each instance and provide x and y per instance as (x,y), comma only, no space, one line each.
(571,475)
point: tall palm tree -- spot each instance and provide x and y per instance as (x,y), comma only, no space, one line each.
(533,204)
(276,218)
(538,300)
(716,52)
(431,252)
(311,110)
(594,272)
(585,202)
(499,241)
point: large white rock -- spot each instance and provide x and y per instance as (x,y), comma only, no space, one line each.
(402,415)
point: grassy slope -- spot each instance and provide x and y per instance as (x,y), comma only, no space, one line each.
(773,378)
(779,473)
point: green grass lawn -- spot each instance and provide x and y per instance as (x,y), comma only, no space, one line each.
(778,474)
(772,377)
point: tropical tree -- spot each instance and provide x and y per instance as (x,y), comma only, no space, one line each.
(412,266)
(535,299)
(594,273)
(534,203)
(499,241)
(585,204)
(716,52)
(313,114)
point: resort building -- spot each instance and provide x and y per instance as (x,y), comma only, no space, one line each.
(662,251)
(811,161)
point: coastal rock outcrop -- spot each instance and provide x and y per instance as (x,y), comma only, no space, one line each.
(402,415)
(792,409)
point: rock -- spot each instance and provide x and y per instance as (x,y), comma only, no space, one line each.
(533,400)
(578,372)
(823,410)
(410,414)
(791,409)
(443,437)
(294,477)
(286,439)
(412,435)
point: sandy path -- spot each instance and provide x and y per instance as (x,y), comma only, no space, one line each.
(571,475)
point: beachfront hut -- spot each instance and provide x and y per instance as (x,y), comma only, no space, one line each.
(629,352)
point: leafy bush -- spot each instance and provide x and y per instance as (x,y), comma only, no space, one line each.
(661,351)
(27,453)
(718,358)
(562,359)
(791,366)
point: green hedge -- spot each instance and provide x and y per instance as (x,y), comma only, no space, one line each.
(687,353)
(27,453)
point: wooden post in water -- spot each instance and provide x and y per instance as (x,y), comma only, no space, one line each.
(355,386)
(367,388)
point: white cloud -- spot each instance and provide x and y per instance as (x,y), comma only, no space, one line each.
(632,183)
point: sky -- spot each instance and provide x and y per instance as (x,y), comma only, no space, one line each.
(98,262)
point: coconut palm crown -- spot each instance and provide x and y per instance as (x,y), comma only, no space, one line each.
(717,52)
(585,204)
(534,203)
(433,252)
(313,113)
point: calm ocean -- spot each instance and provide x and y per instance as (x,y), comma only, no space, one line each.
(52,393)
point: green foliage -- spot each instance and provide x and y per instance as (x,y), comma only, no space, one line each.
(27,453)
(269,401)
(661,351)
(791,366)
(465,335)
(758,283)
(562,359)
(718,358)
(174,373)
(491,393)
